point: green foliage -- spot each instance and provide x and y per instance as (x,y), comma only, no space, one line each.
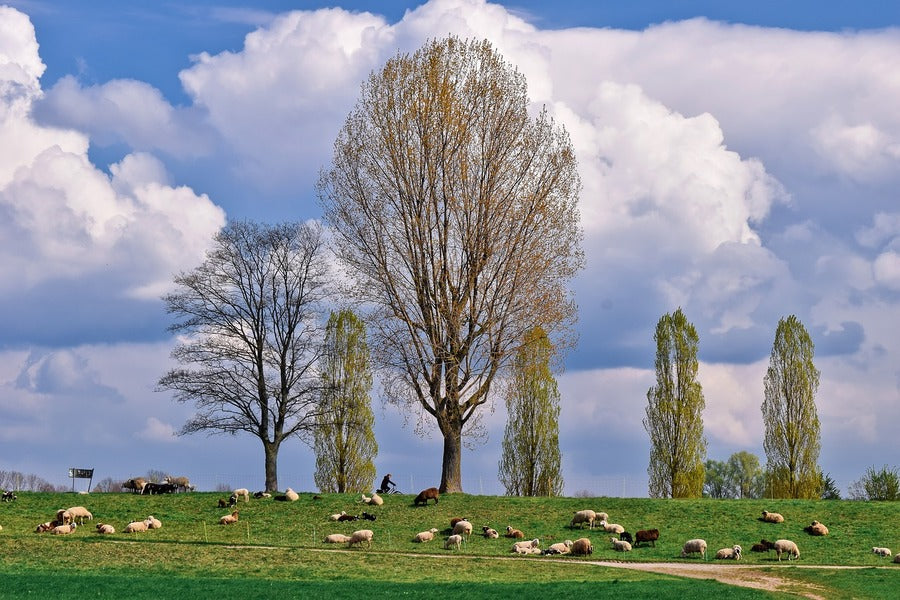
(740,477)
(718,482)
(881,484)
(674,412)
(830,489)
(530,462)
(789,415)
(344,439)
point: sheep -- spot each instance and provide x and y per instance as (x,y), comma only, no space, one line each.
(103,528)
(336,538)
(426,495)
(136,485)
(620,545)
(425,536)
(694,546)
(64,517)
(262,495)
(582,546)
(80,513)
(375,500)
(734,552)
(456,520)
(513,533)
(9,496)
(135,526)
(180,483)
(229,519)
(625,536)
(882,551)
(242,492)
(44,527)
(816,528)
(454,541)
(897,558)
(358,537)
(223,503)
(232,500)
(463,528)
(489,533)
(525,547)
(367,517)
(158,488)
(782,546)
(764,545)
(153,523)
(64,529)
(611,527)
(646,535)
(583,516)
(336,516)
(559,547)
(771,517)
(291,495)
(348,518)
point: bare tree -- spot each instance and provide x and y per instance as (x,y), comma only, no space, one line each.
(456,215)
(252,319)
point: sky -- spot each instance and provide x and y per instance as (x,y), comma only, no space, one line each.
(739,160)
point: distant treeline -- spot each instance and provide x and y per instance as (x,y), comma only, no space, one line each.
(27,482)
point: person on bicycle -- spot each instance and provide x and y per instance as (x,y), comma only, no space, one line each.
(387,484)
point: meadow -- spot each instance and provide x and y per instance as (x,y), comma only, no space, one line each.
(276,547)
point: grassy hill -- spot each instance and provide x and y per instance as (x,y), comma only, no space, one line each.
(277,546)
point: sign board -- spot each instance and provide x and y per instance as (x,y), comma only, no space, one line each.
(81,474)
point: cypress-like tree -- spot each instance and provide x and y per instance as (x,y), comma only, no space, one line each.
(530,463)
(345,444)
(674,412)
(789,415)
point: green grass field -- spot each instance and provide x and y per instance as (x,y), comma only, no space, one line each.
(276,547)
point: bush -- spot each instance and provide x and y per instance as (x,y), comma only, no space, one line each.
(883,484)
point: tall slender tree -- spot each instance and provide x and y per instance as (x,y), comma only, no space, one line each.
(455,212)
(530,463)
(674,412)
(345,443)
(789,414)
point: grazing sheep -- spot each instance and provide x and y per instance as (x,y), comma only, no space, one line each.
(646,535)
(242,493)
(262,495)
(180,483)
(135,526)
(695,546)
(782,546)
(611,527)
(348,518)
(454,541)
(489,533)
(158,488)
(771,517)
(526,547)
(426,495)
(583,516)
(626,536)
(764,545)
(153,523)
(425,536)
(358,537)
(513,533)
(620,545)
(734,552)
(367,517)
(291,495)
(816,528)
(559,547)
(223,503)
(232,501)
(229,519)
(881,551)
(336,538)
(602,516)
(336,516)
(64,529)
(463,528)
(103,528)
(581,547)
(136,485)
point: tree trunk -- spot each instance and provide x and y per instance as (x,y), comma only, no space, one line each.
(271,449)
(451,469)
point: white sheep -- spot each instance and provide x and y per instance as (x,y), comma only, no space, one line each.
(734,552)
(816,528)
(103,528)
(425,536)
(463,528)
(620,545)
(583,516)
(63,516)
(363,535)
(882,551)
(180,483)
(695,546)
(153,523)
(602,516)
(336,516)
(560,547)
(229,519)
(582,546)
(611,527)
(782,546)
(64,529)
(291,495)
(454,541)
(772,517)
(336,538)
(135,526)
(242,492)
(491,534)
(526,547)
(375,500)
(80,513)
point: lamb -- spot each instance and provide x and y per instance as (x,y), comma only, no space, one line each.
(620,545)
(489,533)
(44,527)
(367,517)
(9,496)
(229,519)
(626,536)
(336,516)
(463,528)
(583,516)
(232,500)
(223,502)
(135,526)
(582,546)
(375,500)
(816,528)
(646,535)
(180,483)
(262,495)
(559,547)
(882,551)
(786,546)
(426,495)
(103,528)
(348,518)
(513,533)
(153,523)
(358,537)
(454,541)
(336,538)
(734,552)
(771,517)
(611,527)
(291,495)
(696,545)
(64,517)
(526,547)
(242,492)
(425,536)
(64,529)
(764,545)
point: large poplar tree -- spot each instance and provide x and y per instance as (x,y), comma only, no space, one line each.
(789,415)
(674,412)
(530,462)
(345,443)
(455,213)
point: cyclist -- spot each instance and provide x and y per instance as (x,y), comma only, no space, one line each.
(387,484)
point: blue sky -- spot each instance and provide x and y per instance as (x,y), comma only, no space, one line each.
(739,160)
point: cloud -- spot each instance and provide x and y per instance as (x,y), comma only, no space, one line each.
(157,431)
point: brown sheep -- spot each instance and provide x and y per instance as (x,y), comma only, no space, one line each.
(426,495)
(582,546)
(646,535)
(514,533)
(229,519)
